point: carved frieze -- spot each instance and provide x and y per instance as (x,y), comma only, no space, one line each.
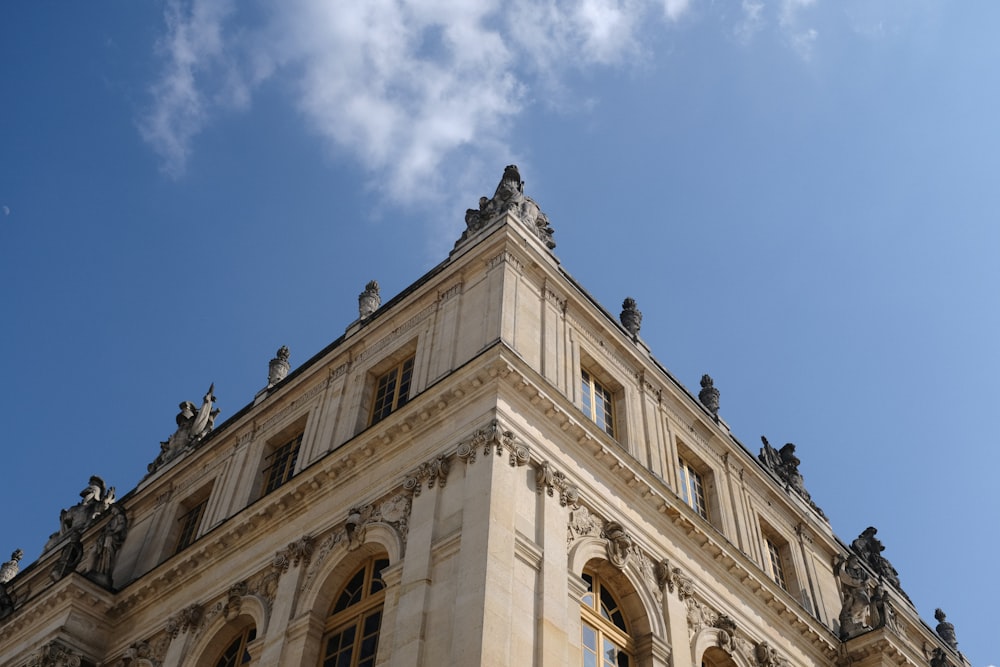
(431,473)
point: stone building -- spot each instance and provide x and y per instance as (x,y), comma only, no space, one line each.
(487,469)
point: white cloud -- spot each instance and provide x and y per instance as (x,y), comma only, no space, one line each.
(752,21)
(401,86)
(801,39)
(675,9)
(193,40)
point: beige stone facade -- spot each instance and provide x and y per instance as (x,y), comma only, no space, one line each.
(516,474)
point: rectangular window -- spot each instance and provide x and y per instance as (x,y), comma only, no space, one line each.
(598,402)
(774,560)
(190,522)
(281,464)
(692,488)
(392,391)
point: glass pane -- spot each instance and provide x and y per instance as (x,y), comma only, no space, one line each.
(589,637)
(610,653)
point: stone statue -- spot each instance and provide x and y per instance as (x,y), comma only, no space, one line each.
(785,464)
(369,300)
(709,395)
(945,630)
(109,543)
(869,548)
(10,569)
(277,368)
(192,427)
(857,588)
(509,197)
(95,500)
(630,317)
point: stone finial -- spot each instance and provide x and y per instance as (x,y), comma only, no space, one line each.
(277,368)
(369,300)
(630,317)
(945,630)
(709,395)
(10,569)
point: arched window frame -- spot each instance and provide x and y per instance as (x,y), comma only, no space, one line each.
(237,652)
(351,613)
(602,614)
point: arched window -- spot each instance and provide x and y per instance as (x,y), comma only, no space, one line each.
(606,640)
(236,653)
(353,624)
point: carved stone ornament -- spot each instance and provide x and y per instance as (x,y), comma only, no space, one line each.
(187,620)
(581,523)
(430,473)
(619,544)
(856,590)
(277,368)
(767,655)
(509,197)
(193,425)
(142,650)
(631,318)
(297,552)
(785,464)
(549,480)
(369,300)
(939,658)
(709,395)
(69,557)
(109,543)
(55,654)
(10,569)
(393,511)
(95,500)
(945,630)
(494,438)
(869,549)
(7,601)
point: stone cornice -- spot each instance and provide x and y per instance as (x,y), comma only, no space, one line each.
(73,591)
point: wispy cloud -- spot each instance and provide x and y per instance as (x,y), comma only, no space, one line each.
(752,20)
(403,86)
(801,38)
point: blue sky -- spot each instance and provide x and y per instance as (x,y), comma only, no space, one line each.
(800,194)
